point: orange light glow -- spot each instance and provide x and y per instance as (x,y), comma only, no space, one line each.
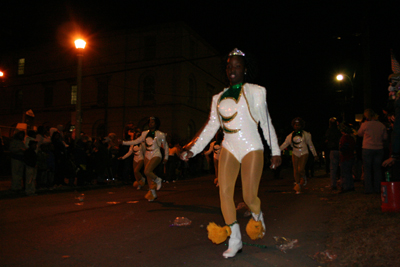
(1,74)
(79,43)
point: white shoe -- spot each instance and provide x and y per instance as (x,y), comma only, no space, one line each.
(158,181)
(235,242)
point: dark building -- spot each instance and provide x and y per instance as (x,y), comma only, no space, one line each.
(166,71)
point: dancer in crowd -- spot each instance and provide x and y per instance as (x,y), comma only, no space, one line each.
(299,140)
(215,147)
(154,140)
(238,110)
(138,160)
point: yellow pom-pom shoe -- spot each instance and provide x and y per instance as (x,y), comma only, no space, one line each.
(218,234)
(256,227)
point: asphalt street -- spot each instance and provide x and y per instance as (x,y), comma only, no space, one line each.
(116,226)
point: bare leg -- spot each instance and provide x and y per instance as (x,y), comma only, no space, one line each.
(227,174)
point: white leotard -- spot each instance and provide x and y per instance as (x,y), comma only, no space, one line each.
(254,98)
(137,151)
(152,145)
(240,129)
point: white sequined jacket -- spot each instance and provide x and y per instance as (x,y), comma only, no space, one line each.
(256,97)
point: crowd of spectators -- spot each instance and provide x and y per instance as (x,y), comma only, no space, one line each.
(356,152)
(60,161)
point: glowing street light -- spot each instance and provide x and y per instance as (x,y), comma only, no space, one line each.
(340,77)
(1,74)
(80,45)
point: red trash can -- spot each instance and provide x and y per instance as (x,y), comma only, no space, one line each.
(390,194)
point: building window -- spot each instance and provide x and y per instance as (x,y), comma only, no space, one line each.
(74,89)
(21,66)
(149,88)
(150,47)
(18,99)
(48,96)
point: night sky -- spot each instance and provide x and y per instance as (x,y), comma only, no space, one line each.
(296,42)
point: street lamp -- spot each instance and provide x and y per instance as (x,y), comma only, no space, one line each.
(340,78)
(80,45)
(1,78)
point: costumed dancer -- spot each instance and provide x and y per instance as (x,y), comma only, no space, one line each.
(153,140)
(138,151)
(299,140)
(215,147)
(238,110)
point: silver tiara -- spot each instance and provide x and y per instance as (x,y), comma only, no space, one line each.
(236,52)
